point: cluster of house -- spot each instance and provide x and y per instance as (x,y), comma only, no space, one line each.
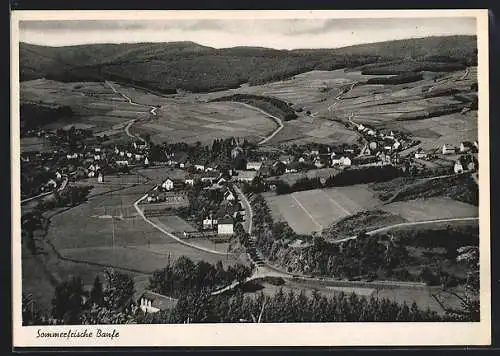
(466,161)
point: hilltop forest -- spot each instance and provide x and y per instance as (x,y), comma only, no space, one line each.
(168,67)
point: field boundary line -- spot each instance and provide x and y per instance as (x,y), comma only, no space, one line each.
(307,212)
(141,213)
(338,205)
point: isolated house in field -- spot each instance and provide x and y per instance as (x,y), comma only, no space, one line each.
(168,184)
(447,149)
(254,165)
(225,226)
(151,302)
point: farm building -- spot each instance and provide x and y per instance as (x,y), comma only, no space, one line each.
(199,167)
(209,177)
(225,226)
(151,302)
(190,179)
(420,154)
(254,166)
(447,149)
(245,176)
(168,184)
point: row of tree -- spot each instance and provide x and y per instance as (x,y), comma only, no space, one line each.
(184,276)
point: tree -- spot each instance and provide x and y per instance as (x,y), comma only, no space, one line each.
(67,303)
(97,293)
(119,290)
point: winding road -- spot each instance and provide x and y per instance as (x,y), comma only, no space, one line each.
(153,110)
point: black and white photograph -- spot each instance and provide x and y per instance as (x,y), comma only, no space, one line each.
(231,168)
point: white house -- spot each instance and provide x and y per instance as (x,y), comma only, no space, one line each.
(122,163)
(346,161)
(151,302)
(92,168)
(122,154)
(97,157)
(246,176)
(420,155)
(168,184)
(396,145)
(58,175)
(146,161)
(254,165)
(100,178)
(371,132)
(189,180)
(209,223)
(361,127)
(228,195)
(457,168)
(138,157)
(447,149)
(225,226)
(129,154)
(221,181)
(199,167)
(91,174)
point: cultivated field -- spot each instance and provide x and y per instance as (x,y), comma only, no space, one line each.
(31,144)
(94,104)
(315,210)
(376,104)
(431,209)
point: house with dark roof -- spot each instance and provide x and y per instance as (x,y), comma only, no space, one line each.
(151,302)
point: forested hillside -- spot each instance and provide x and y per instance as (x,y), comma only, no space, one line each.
(185,65)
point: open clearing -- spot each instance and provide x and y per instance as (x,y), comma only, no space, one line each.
(431,209)
(314,210)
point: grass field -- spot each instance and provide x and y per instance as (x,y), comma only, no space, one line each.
(159,174)
(31,144)
(315,210)
(431,209)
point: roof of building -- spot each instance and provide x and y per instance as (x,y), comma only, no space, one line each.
(246,174)
(159,301)
(226,220)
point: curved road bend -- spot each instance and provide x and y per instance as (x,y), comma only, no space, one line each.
(141,214)
(153,111)
(275,118)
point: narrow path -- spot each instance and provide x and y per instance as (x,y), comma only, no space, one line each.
(153,111)
(248,209)
(414,223)
(275,118)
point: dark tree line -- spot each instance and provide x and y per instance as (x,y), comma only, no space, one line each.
(288,307)
(184,276)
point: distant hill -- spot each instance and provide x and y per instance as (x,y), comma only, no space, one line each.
(167,67)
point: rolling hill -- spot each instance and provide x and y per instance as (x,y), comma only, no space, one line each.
(167,67)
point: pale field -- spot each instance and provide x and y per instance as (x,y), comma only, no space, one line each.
(431,209)
(314,210)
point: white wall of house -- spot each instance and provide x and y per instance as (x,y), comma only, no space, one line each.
(146,306)
(223,229)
